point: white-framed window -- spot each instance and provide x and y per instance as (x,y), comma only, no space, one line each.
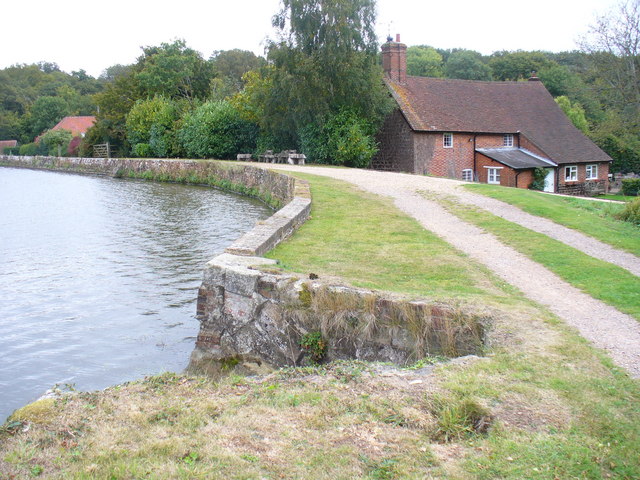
(507,140)
(467,175)
(447,140)
(493,175)
(571,173)
(592,172)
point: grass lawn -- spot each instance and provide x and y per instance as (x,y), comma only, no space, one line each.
(589,217)
(617,196)
(542,404)
(602,280)
(365,240)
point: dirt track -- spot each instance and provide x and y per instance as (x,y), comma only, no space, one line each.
(603,325)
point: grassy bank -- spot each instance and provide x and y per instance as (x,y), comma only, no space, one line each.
(587,216)
(542,404)
(599,279)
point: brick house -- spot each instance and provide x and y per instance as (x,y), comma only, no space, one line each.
(490,132)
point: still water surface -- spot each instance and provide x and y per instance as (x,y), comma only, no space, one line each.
(99,277)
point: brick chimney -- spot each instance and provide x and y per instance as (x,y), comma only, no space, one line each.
(394,60)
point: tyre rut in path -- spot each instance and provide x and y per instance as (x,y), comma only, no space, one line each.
(604,326)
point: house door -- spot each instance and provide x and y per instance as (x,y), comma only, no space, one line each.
(550,181)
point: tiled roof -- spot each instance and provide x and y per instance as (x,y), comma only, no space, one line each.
(7,144)
(446,105)
(76,125)
(516,158)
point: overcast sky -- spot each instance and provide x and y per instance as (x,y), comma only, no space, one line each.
(95,35)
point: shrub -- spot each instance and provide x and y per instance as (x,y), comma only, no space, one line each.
(151,122)
(631,186)
(74,146)
(142,150)
(10,150)
(56,141)
(345,139)
(315,346)
(631,212)
(539,175)
(216,129)
(31,149)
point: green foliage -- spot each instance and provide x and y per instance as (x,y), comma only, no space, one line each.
(332,46)
(152,122)
(57,141)
(539,176)
(31,149)
(631,212)
(143,150)
(314,346)
(173,70)
(229,66)
(458,418)
(346,139)
(575,112)
(45,113)
(424,61)
(631,186)
(217,130)
(466,65)
(517,65)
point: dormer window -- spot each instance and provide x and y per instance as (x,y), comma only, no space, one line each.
(507,140)
(447,140)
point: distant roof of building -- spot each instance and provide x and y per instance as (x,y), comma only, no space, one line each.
(7,144)
(448,105)
(516,158)
(76,125)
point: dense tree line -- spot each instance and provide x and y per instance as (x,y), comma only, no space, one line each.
(319,90)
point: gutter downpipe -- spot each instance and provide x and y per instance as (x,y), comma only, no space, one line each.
(475,173)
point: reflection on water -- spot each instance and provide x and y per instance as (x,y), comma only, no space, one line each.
(99,277)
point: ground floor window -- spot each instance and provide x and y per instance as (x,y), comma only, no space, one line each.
(571,173)
(467,175)
(592,172)
(493,175)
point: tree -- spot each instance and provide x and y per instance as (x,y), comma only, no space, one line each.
(575,112)
(152,122)
(325,60)
(45,113)
(56,141)
(216,130)
(614,47)
(174,71)
(424,61)
(517,65)
(466,65)
(230,65)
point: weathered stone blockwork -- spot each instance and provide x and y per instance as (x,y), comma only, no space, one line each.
(254,317)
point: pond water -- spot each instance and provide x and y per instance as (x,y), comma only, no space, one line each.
(99,277)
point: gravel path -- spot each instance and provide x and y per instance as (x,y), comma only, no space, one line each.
(601,324)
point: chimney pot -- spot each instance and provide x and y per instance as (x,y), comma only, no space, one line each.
(397,38)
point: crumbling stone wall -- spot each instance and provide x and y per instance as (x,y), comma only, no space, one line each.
(252,316)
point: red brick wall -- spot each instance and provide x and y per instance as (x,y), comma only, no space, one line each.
(440,161)
(582,186)
(493,141)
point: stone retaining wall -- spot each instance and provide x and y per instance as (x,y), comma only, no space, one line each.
(276,189)
(252,317)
